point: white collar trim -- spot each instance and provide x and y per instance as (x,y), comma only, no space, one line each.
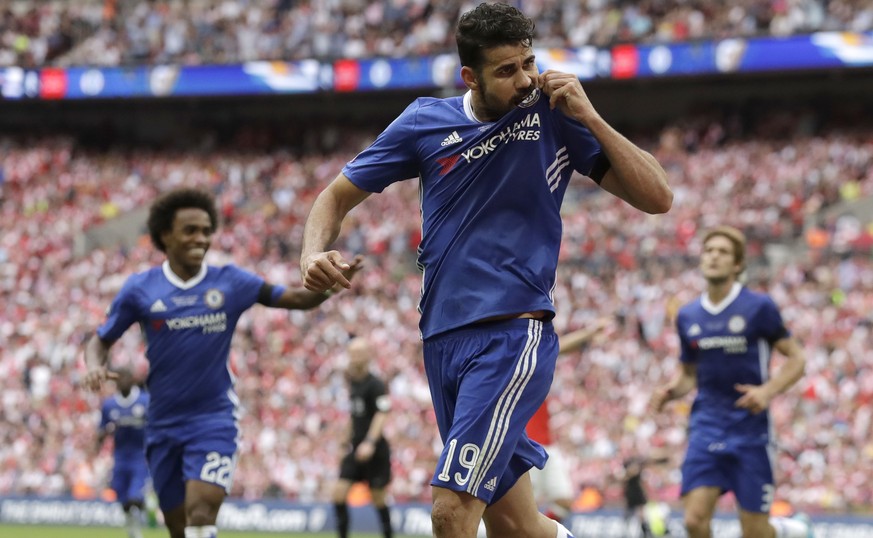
(468,107)
(717,308)
(177,280)
(129,399)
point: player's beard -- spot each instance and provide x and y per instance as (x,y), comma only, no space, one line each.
(494,109)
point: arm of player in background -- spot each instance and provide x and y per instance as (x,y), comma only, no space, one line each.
(757,398)
(576,339)
(682,384)
(320,269)
(97,362)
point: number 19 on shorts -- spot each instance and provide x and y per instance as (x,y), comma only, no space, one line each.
(468,455)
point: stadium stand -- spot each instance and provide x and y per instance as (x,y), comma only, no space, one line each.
(795,178)
(127,32)
(771,177)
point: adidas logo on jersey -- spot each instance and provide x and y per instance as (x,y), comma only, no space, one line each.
(491,484)
(158,306)
(453,138)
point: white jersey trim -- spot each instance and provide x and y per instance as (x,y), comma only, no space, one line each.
(468,107)
(714,309)
(130,399)
(178,282)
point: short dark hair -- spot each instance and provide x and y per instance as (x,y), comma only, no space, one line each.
(488,26)
(164,208)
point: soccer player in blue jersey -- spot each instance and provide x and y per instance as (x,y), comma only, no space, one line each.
(187,311)
(493,167)
(123,416)
(726,336)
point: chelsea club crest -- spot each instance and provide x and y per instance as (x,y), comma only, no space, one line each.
(214,298)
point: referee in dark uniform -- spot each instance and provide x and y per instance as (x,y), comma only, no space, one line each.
(369,456)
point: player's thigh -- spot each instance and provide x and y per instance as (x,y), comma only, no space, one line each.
(486,449)
(699,504)
(516,514)
(202,502)
(538,483)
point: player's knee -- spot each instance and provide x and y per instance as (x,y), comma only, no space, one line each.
(442,516)
(696,524)
(447,517)
(201,514)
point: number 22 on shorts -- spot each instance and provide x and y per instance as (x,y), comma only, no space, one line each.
(217,470)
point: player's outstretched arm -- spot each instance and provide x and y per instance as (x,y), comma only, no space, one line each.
(304,299)
(757,398)
(321,269)
(97,362)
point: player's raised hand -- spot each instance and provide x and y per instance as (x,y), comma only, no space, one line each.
(755,398)
(566,92)
(323,270)
(95,378)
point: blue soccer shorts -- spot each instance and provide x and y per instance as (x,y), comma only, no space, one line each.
(747,471)
(203,450)
(129,481)
(486,381)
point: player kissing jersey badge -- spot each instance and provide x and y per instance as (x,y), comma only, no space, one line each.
(213,298)
(531,99)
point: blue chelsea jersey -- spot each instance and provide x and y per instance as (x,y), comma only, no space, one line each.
(490,196)
(188,326)
(730,343)
(125,418)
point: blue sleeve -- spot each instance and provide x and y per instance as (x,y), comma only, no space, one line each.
(686,354)
(770,322)
(122,313)
(586,155)
(390,158)
(246,286)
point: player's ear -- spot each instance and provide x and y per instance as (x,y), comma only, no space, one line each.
(470,79)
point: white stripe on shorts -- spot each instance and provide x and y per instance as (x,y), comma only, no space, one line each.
(524,369)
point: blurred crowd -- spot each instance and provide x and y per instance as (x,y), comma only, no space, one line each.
(125,32)
(776,178)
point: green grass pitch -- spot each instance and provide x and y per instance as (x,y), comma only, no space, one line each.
(27,531)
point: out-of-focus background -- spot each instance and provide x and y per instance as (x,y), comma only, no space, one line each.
(760,111)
